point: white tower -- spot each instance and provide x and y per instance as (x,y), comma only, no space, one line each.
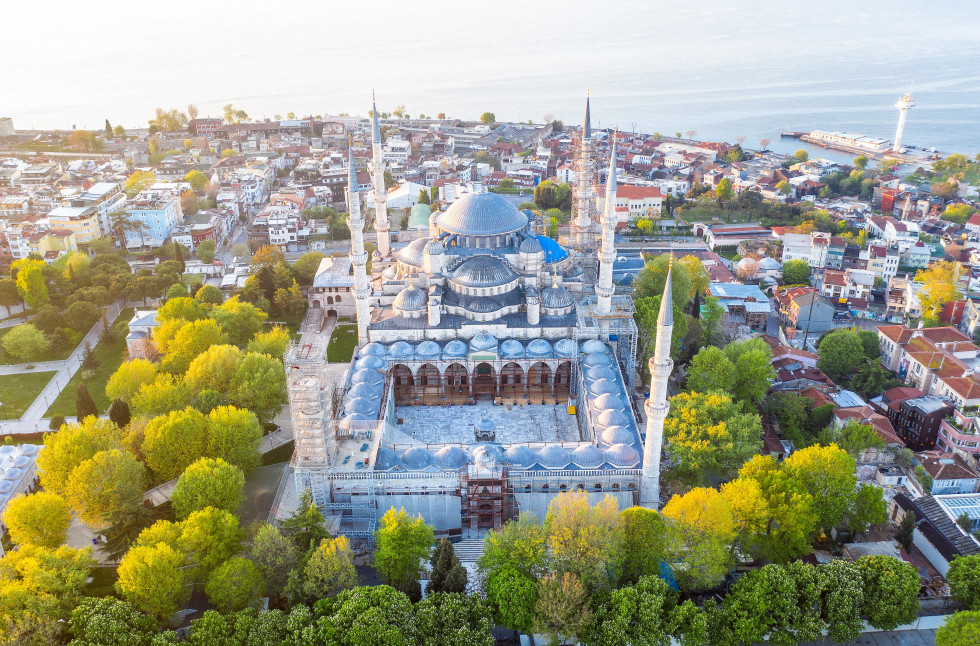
(607,252)
(358,255)
(582,221)
(381,224)
(903,105)
(657,406)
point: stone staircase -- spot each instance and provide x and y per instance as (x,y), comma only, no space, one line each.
(469,550)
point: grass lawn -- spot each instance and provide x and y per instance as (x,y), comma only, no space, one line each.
(342,344)
(19,391)
(60,355)
(110,358)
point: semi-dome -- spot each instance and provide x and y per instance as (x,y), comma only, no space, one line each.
(401,350)
(434,248)
(481,214)
(365,390)
(455,349)
(450,457)
(530,245)
(482,271)
(588,456)
(622,455)
(594,345)
(361,405)
(416,458)
(375,349)
(520,455)
(566,348)
(553,457)
(608,401)
(612,418)
(603,386)
(556,297)
(410,299)
(371,363)
(386,459)
(366,376)
(411,254)
(428,350)
(511,348)
(596,359)
(599,372)
(553,252)
(483,342)
(539,348)
(617,435)
(390,273)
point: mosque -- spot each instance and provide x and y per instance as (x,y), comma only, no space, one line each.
(494,370)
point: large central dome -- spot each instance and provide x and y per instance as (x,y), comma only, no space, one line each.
(481,214)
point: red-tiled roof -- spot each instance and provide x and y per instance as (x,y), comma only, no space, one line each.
(637,192)
(945,466)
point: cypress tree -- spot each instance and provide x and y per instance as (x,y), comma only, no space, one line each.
(89,360)
(906,530)
(448,574)
(119,413)
(84,404)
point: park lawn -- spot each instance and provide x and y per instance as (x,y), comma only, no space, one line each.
(342,344)
(110,358)
(18,392)
(47,355)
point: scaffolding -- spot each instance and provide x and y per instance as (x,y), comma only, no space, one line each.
(487,500)
(584,210)
(617,326)
(309,406)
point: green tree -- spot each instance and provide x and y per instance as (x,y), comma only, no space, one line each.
(488,118)
(582,538)
(960,629)
(108,482)
(841,599)
(259,385)
(449,619)
(370,616)
(653,278)
(306,266)
(519,543)
(275,555)
(827,473)
(895,586)
(964,580)
(70,446)
(329,570)
(710,370)
(753,371)
(152,579)
(198,180)
(119,413)
(84,404)
(82,316)
(854,437)
(9,296)
(448,574)
(25,342)
(841,352)
(796,272)
(234,435)
(513,595)
(108,621)
(236,584)
(639,614)
(240,321)
(185,309)
(208,483)
(209,295)
(273,343)
(166,394)
(708,436)
(172,442)
(871,379)
(562,611)
(643,544)
(40,519)
(31,282)
(905,533)
(205,251)
(306,525)
(770,602)
(210,537)
(402,545)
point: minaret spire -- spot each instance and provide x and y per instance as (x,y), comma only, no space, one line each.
(581,226)
(381,224)
(358,255)
(657,406)
(607,253)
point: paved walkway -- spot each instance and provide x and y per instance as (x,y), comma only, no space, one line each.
(891,638)
(33,420)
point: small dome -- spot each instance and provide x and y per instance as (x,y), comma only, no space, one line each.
(612,418)
(375,349)
(520,455)
(7,449)
(600,372)
(487,456)
(22,461)
(428,349)
(596,359)
(511,348)
(416,458)
(531,245)
(434,248)
(455,349)
(594,345)
(553,457)
(410,299)
(603,386)
(386,459)
(556,298)
(617,435)
(390,273)
(6,487)
(621,455)
(482,271)
(365,390)
(481,214)
(367,377)
(769,264)
(347,423)
(483,342)
(400,350)
(608,401)
(485,424)
(13,473)
(566,348)
(450,457)
(539,348)
(411,254)
(28,449)
(362,406)
(371,363)
(588,456)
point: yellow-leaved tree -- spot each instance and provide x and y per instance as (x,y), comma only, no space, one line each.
(583,538)
(940,285)
(700,536)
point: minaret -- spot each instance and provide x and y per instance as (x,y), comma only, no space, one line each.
(607,253)
(358,256)
(582,222)
(903,105)
(657,406)
(381,224)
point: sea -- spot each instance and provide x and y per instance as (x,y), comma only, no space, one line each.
(722,69)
